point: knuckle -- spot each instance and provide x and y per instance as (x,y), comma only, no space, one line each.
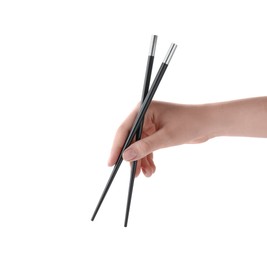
(144,146)
(122,128)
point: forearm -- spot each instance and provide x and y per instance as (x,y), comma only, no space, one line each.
(245,117)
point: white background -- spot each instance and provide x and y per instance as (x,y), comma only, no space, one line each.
(70,71)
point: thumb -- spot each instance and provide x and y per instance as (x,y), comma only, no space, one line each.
(143,147)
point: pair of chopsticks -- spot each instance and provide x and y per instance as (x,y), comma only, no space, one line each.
(136,130)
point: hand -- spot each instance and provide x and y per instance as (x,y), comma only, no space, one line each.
(169,124)
(165,124)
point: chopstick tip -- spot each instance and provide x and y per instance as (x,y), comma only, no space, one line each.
(170,53)
(153,45)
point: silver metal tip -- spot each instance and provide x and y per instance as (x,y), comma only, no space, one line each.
(153,44)
(170,53)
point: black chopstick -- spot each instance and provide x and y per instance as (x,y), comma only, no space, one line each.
(139,118)
(149,68)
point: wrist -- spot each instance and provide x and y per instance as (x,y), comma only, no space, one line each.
(216,120)
(244,117)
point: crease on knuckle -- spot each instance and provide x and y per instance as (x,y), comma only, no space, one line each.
(144,147)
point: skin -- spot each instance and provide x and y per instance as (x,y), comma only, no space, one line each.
(171,124)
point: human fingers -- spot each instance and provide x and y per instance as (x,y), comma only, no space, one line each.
(120,137)
(138,167)
(148,166)
(145,146)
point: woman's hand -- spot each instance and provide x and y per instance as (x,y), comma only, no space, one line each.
(165,124)
(169,124)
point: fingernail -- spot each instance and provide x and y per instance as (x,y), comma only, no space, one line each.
(129,155)
(147,173)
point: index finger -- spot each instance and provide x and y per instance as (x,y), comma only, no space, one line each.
(121,136)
